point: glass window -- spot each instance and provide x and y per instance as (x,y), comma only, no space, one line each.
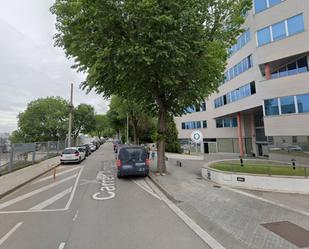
(274,75)
(204,123)
(198,124)
(292,68)
(303,103)
(263,36)
(234,122)
(283,71)
(271,107)
(278,30)
(226,122)
(250,63)
(287,105)
(302,65)
(295,24)
(183,126)
(260,5)
(219,123)
(274,2)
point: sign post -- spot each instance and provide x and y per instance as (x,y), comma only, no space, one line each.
(197,137)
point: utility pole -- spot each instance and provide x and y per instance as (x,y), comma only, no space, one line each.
(127,128)
(70,117)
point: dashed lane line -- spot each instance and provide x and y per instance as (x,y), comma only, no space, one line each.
(5,237)
(62,245)
(37,191)
(51,200)
(58,174)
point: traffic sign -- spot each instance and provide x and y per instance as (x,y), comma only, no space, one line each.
(197,136)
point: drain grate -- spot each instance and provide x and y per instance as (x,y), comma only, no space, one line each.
(290,232)
(216,186)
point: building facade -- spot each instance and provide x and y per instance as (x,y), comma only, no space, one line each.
(262,107)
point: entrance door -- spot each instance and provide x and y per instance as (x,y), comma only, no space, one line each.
(260,149)
(206,148)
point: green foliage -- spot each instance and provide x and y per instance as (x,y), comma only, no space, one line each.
(102,127)
(172,143)
(43,120)
(17,136)
(83,120)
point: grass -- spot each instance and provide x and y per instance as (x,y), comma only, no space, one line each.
(263,168)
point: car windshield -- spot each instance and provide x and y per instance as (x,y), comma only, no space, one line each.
(69,151)
(136,154)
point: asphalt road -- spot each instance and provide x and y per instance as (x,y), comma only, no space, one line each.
(87,207)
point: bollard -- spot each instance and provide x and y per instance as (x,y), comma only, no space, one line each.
(178,163)
(293,163)
(54,175)
(241,161)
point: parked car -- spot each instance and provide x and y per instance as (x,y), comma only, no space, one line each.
(72,155)
(116,144)
(87,149)
(132,161)
(96,144)
(92,147)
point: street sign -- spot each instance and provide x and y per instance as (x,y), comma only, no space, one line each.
(197,136)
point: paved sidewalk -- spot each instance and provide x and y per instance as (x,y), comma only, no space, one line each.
(16,179)
(231,218)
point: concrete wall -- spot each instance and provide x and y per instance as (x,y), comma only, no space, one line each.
(257,182)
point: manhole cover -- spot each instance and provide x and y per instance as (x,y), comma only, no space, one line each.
(290,232)
(216,186)
(199,178)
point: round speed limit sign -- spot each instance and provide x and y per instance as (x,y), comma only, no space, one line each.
(196,136)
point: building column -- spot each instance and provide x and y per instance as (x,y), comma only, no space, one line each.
(240,137)
(267,71)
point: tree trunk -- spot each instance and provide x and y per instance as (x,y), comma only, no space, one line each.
(134,126)
(161,166)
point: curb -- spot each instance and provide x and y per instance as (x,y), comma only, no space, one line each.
(28,181)
(164,191)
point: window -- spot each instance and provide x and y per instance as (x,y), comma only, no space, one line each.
(219,123)
(260,5)
(295,24)
(299,66)
(278,31)
(302,65)
(197,108)
(294,139)
(204,123)
(263,36)
(271,107)
(274,2)
(191,125)
(238,69)
(203,106)
(287,105)
(242,40)
(183,126)
(303,103)
(271,140)
(234,122)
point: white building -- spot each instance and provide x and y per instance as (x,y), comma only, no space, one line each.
(263,105)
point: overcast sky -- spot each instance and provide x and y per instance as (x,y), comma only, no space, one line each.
(30,66)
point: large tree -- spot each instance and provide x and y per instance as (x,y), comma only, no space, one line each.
(43,120)
(102,126)
(164,54)
(83,120)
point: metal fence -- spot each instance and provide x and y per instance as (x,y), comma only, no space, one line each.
(18,156)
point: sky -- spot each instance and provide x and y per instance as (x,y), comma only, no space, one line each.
(30,66)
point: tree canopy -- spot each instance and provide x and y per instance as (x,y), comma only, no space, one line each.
(164,54)
(83,120)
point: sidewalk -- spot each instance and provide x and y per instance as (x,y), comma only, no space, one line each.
(230,217)
(16,179)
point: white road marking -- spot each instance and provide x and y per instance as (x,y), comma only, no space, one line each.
(142,184)
(58,174)
(74,189)
(5,237)
(75,216)
(37,191)
(62,245)
(51,200)
(268,201)
(206,237)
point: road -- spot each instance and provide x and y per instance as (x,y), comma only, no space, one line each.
(86,207)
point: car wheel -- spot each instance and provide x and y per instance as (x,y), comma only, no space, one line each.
(79,161)
(119,175)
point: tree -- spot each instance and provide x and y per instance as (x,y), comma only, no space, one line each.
(165,55)
(83,120)
(172,143)
(17,136)
(43,120)
(102,126)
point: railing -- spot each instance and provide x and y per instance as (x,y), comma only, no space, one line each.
(17,156)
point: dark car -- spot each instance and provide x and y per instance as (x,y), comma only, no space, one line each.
(132,161)
(87,149)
